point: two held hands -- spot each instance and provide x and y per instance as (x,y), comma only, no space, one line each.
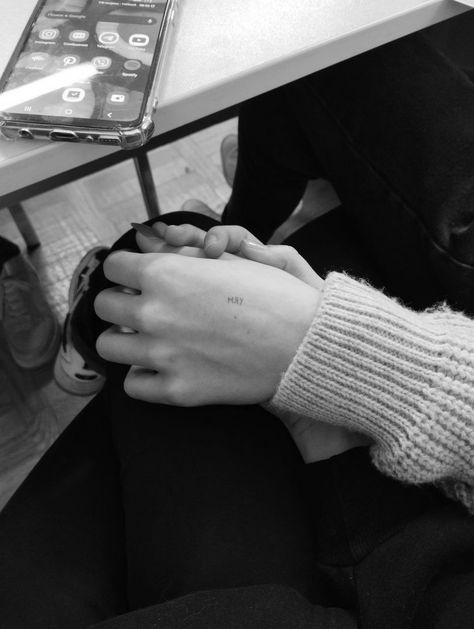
(221,328)
(218,329)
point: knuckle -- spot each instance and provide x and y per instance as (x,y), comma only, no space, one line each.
(154,355)
(177,393)
(187,227)
(156,268)
(218,229)
(142,317)
(149,269)
(288,251)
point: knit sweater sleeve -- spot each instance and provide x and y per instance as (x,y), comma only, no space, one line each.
(404,378)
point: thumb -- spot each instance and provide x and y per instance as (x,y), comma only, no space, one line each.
(282,257)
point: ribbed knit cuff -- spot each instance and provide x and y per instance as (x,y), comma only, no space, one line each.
(404,378)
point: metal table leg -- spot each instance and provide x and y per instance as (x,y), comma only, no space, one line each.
(147,185)
(25,227)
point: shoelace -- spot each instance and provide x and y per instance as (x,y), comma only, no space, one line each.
(14,303)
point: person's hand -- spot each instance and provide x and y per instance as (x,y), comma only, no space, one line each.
(222,241)
(315,440)
(207,331)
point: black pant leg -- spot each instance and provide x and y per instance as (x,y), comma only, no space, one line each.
(403,554)
(393,130)
(61,535)
(212,500)
(274,164)
(211,495)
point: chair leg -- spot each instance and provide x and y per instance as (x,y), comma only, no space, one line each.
(24,226)
(147,185)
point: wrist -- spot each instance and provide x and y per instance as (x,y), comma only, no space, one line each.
(318,441)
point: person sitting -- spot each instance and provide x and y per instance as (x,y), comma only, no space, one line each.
(177,497)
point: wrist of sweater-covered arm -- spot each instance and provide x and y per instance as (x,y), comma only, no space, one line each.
(405,379)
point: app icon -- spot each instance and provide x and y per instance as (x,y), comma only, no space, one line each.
(108,38)
(132,65)
(117,98)
(79,36)
(48,34)
(138,40)
(69,60)
(102,63)
(74,95)
(37,60)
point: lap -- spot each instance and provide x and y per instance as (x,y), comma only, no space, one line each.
(61,534)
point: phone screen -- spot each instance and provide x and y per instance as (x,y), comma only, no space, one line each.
(86,60)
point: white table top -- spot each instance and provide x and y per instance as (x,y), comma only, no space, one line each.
(225,52)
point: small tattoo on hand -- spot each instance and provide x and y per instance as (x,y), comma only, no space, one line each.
(235,300)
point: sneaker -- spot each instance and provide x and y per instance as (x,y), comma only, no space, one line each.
(31,330)
(71,371)
(229,154)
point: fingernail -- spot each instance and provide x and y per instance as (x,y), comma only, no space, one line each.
(146,231)
(252,244)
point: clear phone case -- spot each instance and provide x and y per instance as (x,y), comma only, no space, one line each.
(125,137)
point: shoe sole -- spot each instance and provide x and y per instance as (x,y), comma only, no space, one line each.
(69,385)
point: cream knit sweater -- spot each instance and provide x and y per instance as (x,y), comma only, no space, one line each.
(404,378)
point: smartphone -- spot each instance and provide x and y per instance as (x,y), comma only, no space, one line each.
(87,71)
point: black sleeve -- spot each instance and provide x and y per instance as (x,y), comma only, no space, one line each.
(403,555)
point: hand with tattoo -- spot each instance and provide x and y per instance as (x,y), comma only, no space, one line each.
(207,331)
(315,440)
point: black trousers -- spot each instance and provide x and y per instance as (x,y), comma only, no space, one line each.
(393,131)
(139,505)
